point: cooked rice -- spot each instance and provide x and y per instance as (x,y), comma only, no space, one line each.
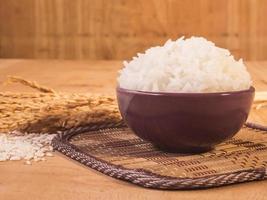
(185,65)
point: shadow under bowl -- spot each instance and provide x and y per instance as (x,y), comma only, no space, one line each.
(185,122)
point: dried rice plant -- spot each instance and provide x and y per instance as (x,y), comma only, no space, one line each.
(260,100)
(48,111)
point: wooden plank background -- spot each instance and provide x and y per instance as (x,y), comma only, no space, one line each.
(117,29)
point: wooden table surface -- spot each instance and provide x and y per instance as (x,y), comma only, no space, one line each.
(61,178)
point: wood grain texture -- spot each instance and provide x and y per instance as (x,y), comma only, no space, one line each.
(62,179)
(117,29)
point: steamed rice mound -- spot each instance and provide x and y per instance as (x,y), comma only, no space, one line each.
(185,66)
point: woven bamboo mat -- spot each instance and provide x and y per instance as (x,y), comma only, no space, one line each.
(115,151)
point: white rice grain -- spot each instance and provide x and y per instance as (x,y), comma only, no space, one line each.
(17,146)
(192,65)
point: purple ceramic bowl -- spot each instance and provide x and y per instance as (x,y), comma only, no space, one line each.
(185,122)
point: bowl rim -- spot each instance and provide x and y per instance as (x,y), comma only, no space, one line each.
(250,90)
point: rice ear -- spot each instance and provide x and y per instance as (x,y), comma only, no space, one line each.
(49,111)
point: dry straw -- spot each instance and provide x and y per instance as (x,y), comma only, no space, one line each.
(47,111)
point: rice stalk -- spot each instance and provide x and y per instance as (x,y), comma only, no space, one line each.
(48,111)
